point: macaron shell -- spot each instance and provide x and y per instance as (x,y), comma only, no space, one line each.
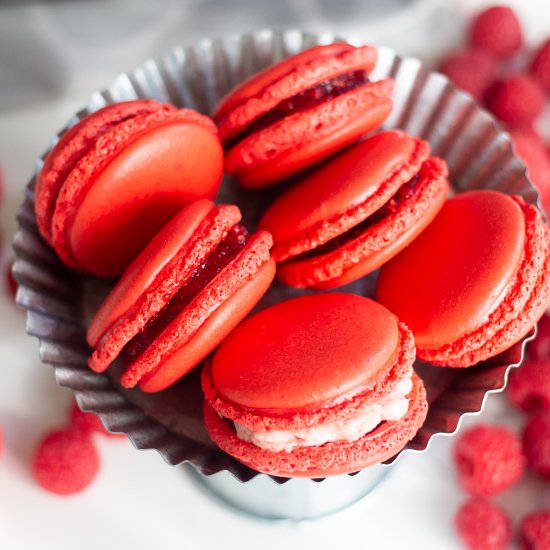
(526,299)
(257,82)
(229,280)
(305,76)
(397,367)
(343,192)
(332,458)
(129,183)
(379,242)
(73,144)
(304,138)
(263,366)
(141,273)
(114,335)
(458,270)
(144,195)
(212,332)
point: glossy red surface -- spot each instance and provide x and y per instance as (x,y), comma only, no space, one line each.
(133,197)
(348,180)
(445,284)
(305,352)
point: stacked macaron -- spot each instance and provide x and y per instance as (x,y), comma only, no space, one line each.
(323,384)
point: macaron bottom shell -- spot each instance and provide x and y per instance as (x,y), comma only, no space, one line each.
(333,458)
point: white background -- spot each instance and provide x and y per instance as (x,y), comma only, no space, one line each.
(52,56)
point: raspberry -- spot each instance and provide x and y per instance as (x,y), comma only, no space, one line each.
(497,31)
(489,459)
(482,525)
(88,422)
(10,280)
(540,67)
(516,100)
(65,462)
(535,531)
(536,443)
(540,348)
(471,70)
(532,150)
(529,386)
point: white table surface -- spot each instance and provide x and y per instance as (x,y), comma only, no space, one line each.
(137,500)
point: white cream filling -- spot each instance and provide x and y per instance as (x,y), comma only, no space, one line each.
(391,407)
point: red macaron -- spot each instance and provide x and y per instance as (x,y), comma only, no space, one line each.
(315,386)
(476,280)
(195,281)
(115,178)
(300,110)
(357,211)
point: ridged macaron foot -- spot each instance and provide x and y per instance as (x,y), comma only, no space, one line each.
(357,211)
(315,386)
(299,111)
(115,178)
(192,284)
(476,280)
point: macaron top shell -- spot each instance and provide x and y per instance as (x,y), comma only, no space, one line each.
(343,192)
(448,281)
(337,343)
(290,77)
(259,81)
(73,144)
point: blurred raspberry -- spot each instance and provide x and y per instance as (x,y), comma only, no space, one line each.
(540,67)
(532,150)
(540,348)
(529,386)
(536,442)
(10,280)
(517,100)
(497,30)
(470,70)
(489,459)
(88,422)
(66,462)
(482,525)
(535,531)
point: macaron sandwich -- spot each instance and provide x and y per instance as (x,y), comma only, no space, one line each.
(474,282)
(192,284)
(117,176)
(356,211)
(314,386)
(299,111)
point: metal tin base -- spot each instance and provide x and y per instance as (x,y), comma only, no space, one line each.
(295,500)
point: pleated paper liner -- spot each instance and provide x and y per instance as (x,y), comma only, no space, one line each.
(60,303)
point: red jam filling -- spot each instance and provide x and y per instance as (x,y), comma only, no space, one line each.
(404,193)
(228,249)
(308,99)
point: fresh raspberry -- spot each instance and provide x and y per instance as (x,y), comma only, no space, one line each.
(536,442)
(540,67)
(532,150)
(535,531)
(88,422)
(489,459)
(482,525)
(540,348)
(517,100)
(66,462)
(529,386)
(470,70)
(497,31)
